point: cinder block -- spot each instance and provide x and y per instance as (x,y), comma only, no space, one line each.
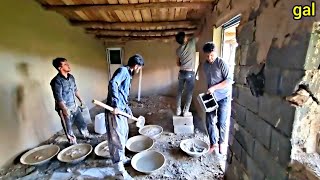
(272,75)
(245,140)
(282,113)
(247,99)
(207,102)
(258,128)
(244,71)
(291,56)
(183,129)
(246,35)
(180,120)
(236,149)
(288,81)
(249,54)
(265,162)
(253,171)
(280,148)
(239,114)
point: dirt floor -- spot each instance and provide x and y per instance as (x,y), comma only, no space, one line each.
(157,110)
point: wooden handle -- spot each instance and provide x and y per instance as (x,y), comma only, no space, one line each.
(111,109)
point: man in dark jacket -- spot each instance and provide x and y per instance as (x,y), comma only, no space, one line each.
(117,125)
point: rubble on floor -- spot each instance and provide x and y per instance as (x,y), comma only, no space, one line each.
(158,110)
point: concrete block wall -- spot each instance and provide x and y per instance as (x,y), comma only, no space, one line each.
(261,128)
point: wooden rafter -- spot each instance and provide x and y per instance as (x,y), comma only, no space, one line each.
(132,38)
(138,33)
(140,6)
(134,25)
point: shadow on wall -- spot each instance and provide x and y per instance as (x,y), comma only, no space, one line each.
(31,108)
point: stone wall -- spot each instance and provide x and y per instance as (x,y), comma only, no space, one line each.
(262,131)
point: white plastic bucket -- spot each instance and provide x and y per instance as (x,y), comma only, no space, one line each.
(100,124)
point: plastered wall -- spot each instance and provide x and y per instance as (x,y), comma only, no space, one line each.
(30,39)
(160,73)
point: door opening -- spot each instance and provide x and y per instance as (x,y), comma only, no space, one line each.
(114,58)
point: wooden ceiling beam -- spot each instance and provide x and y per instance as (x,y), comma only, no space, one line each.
(140,6)
(138,33)
(132,38)
(135,25)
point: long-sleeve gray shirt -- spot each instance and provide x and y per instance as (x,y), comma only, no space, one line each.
(216,72)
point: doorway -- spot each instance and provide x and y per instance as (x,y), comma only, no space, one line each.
(114,58)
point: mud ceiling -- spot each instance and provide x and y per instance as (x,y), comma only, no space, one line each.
(273,20)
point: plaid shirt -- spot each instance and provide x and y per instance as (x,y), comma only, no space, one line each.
(64,90)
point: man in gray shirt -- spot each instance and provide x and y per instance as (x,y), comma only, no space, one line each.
(186,55)
(219,83)
(65,91)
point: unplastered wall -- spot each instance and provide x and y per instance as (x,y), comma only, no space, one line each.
(30,39)
(261,131)
(160,73)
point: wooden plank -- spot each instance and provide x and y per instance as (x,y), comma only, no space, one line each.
(129,15)
(105,16)
(82,15)
(184,11)
(139,32)
(129,38)
(133,25)
(100,1)
(113,1)
(163,12)
(68,2)
(122,17)
(140,6)
(137,15)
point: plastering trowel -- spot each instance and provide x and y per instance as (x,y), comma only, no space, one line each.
(140,120)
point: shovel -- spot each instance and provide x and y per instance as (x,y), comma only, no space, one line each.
(140,120)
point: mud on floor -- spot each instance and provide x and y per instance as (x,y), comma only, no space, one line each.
(157,110)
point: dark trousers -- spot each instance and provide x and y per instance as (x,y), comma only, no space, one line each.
(186,84)
(74,117)
(216,121)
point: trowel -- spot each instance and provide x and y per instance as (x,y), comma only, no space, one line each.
(140,120)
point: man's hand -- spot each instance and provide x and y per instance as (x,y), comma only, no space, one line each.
(115,111)
(178,62)
(211,90)
(73,139)
(66,112)
(82,105)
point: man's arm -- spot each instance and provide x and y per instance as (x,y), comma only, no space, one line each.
(77,94)
(197,33)
(178,62)
(57,94)
(118,78)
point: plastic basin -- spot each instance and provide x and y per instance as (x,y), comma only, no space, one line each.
(139,143)
(148,161)
(39,155)
(194,147)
